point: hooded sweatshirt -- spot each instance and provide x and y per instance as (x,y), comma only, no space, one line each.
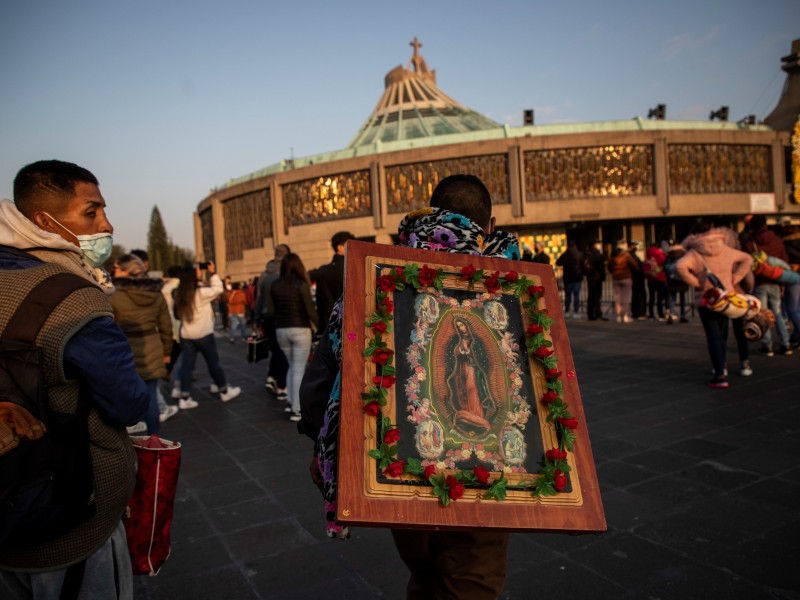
(19,232)
(710,252)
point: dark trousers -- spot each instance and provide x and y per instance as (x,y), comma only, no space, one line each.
(206,346)
(657,291)
(638,297)
(716,327)
(594,299)
(453,565)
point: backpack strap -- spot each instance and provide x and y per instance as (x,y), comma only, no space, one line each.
(26,322)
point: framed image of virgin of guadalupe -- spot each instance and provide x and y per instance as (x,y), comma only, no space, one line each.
(460,404)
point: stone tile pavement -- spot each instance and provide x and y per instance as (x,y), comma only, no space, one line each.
(701,487)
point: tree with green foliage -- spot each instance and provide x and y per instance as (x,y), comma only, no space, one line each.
(159,246)
(162,252)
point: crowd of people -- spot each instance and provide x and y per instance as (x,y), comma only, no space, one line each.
(114,342)
(656,288)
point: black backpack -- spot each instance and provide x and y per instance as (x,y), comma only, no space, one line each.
(46,485)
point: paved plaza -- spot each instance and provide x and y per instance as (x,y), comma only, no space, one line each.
(701,487)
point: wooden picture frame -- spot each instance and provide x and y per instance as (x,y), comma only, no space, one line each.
(468,370)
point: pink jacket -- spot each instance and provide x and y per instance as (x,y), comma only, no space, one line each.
(710,252)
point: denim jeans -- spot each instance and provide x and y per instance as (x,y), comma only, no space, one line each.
(791,294)
(716,328)
(672,297)
(206,346)
(572,290)
(237,322)
(295,342)
(107,575)
(770,296)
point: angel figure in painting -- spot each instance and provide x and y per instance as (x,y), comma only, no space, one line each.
(469,399)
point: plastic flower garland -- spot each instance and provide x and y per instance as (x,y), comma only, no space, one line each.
(553,476)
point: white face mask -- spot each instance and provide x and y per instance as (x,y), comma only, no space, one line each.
(96,247)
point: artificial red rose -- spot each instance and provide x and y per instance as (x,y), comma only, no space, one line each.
(381,356)
(429,471)
(468,271)
(559,480)
(385,381)
(392,436)
(511,276)
(427,276)
(386,283)
(456,489)
(534,329)
(399,275)
(387,302)
(481,474)
(552,373)
(555,454)
(549,396)
(395,469)
(535,290)
(543,352)
(571,423)
(491,283)
(378,327)
(373,409)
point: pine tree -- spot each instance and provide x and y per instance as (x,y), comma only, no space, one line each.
(159,246)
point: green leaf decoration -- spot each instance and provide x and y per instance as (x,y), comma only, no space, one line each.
(497,489)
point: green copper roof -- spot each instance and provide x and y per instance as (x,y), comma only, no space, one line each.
(414,113)
(413,107)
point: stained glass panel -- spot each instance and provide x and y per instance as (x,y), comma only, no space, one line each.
(719,168)
(248,220)
(588,172)
(327,198)
(410,186)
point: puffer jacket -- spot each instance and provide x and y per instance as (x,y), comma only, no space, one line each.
(710,252)
(622,265)
(142,313)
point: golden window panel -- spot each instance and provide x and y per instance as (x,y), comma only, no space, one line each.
(248,220)
(589,172)
(719,168)
(327,198)
(207,227)
(409,186)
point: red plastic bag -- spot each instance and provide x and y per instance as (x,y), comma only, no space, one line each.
(150,509)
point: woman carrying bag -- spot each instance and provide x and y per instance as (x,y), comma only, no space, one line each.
(709,252)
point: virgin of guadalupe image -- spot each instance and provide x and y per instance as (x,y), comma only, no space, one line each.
(469,398)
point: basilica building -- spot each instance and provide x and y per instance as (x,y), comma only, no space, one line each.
(645,179)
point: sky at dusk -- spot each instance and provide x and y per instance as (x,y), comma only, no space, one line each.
(164,101)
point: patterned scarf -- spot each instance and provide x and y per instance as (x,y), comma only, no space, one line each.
(426,229)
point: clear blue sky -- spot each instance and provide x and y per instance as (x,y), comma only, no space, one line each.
(164,100)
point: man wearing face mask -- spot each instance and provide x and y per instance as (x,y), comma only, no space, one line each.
(57,225)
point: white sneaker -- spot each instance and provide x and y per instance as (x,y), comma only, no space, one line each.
(295,417)
(214,389)
(747,370)
(140,427)
(230,394)
(171,411)
(176,392)
(187,403)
